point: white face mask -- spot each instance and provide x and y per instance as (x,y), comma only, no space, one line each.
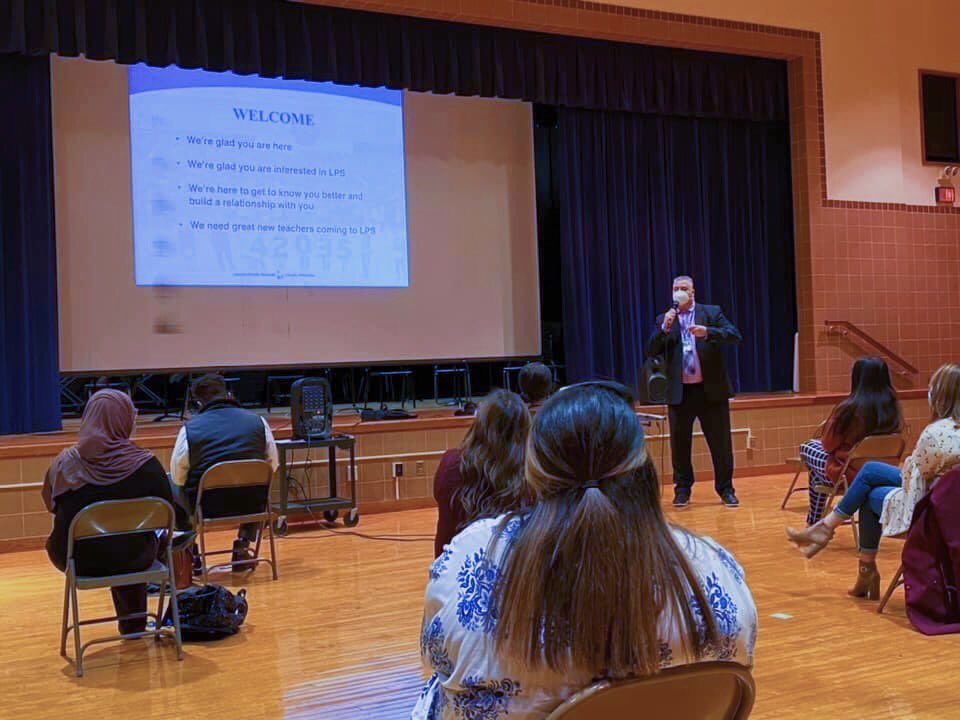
(681,297)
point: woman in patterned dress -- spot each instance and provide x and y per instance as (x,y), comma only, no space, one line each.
(525,609)
(871,409)
(885,496)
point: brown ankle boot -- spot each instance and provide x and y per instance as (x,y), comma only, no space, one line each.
(868,581)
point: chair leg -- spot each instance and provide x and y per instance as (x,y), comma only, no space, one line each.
(203,552)
(162,595)
(74,601)
(854,526)
(833,493)
(894,584)
(66,614)
(256,547)
(273,550)
(793,484)
(174,606)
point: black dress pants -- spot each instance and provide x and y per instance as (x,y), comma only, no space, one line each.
(714,419)
(113,556)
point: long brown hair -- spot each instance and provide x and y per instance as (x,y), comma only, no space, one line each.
(491,460)
(594,565)
(872,407)
(945,393)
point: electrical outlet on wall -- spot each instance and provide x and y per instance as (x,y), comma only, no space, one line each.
(421,467)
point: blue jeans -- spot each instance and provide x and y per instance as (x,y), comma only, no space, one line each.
(866,493)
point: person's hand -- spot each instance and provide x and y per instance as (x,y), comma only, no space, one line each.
(698,331)
(668,319)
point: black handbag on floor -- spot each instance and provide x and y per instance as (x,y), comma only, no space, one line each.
(209,612)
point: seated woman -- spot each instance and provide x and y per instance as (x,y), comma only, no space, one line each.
(105,464)
(871,409)
(523,610)
(885,496)
(484,476)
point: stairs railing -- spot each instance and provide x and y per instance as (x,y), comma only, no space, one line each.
(844,328)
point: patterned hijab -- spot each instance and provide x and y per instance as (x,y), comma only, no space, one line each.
(104,453)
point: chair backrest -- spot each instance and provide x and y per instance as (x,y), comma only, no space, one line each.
(883,448)
(703,691)
(235,473)
(120,517)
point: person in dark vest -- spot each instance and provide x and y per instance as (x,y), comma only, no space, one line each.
(220,432)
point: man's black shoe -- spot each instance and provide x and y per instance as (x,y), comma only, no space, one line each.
(241,552)
(729,498)
(681,498)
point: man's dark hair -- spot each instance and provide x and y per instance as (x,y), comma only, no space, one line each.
(207,388)
(536,382)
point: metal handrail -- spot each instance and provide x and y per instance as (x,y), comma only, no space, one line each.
(844,328)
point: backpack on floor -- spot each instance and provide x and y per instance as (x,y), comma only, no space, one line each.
(209,612)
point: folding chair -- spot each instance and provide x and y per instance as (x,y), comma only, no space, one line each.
(798,465)
(896,582)
(113,518)
(873,448)
(236,474)
(712,690)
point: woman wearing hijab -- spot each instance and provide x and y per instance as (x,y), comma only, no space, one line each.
(105,464)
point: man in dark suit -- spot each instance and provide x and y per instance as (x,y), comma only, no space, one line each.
(690,337)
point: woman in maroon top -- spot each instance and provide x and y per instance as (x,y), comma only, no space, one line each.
(484,476)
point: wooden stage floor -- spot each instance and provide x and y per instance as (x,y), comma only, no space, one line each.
(336,636)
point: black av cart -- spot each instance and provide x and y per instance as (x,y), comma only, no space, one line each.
(332,504)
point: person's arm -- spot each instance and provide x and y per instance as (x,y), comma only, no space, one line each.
(180,459)
(46,492)
(445,483)
(272,457)
(926,461)
(660,340)
(722,330)
(830,440)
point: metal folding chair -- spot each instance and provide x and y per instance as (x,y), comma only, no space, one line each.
(798,465)
(714,690)
(873,448)
(113,518)
(236,474)
(896,582)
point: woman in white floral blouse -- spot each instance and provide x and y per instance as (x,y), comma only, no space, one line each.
(885,496)
(523,610)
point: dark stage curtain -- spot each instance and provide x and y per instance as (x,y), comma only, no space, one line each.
(273,37)
(29,363)
(644,198)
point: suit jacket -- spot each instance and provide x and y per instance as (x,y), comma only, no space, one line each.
(720,331)
(931,559)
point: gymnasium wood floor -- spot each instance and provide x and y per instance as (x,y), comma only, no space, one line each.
(336,636)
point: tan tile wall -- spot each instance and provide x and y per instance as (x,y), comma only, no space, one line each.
(775,433)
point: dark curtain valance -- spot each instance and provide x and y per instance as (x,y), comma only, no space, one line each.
(276,38)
